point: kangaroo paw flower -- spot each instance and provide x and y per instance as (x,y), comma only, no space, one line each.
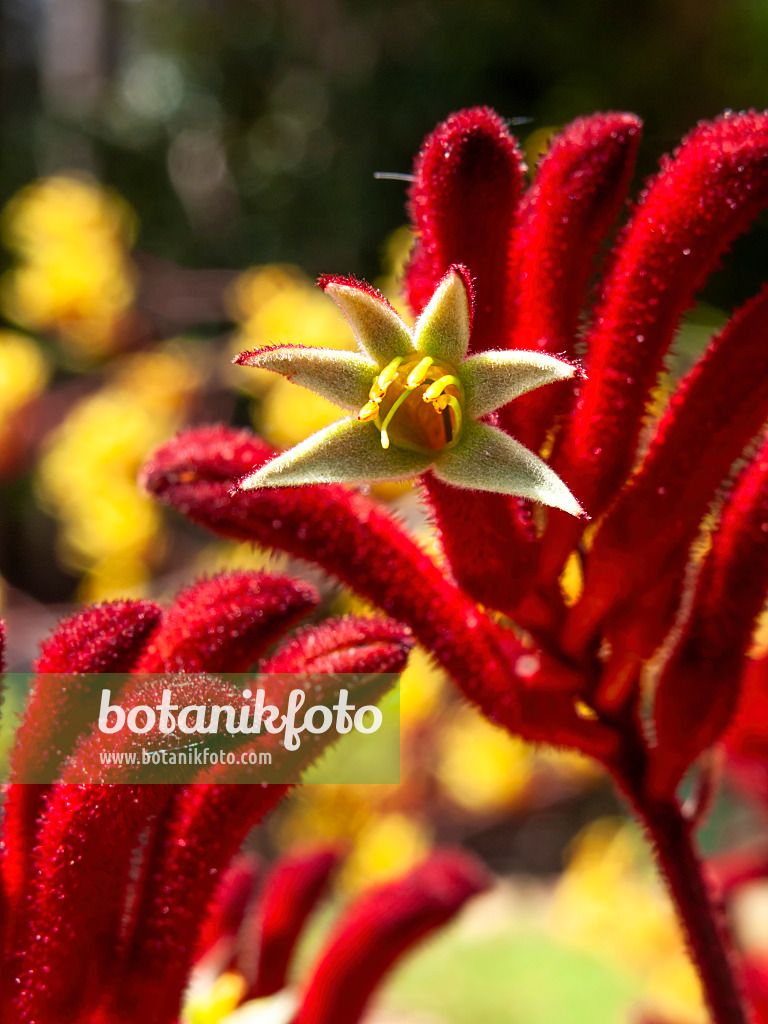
(419,401)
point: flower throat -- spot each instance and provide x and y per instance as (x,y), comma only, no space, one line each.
(416,403)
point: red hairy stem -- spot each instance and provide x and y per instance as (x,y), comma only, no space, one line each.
(105,638)
(380,927)
(706,934)
(204,829)
(225,917)
(290,894)
(356,541)
(225,623)
(704,196)
(698,690)
(723,399)
(468,180)
(575,197)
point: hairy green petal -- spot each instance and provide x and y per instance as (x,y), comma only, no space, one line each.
(487,459)
(442,330)
(378,328)
(342,377)
(346,452)
(491,379)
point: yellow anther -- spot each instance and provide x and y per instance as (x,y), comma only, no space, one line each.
(440,403)
(388,374)
(384,439)
(369,411)
(436,389)
(419,373)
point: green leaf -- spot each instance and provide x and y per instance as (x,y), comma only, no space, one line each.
(343,377)
(377,327)
(442,330)
(346,452)
(487,459)
(491,379)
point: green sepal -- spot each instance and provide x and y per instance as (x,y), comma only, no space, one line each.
(342,377)
(442,330)
(377,327)
(348,451)
(491,379)
(487,459)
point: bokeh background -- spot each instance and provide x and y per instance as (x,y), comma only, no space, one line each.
(173,176)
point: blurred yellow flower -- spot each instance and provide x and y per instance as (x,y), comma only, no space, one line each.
(481,766)
(388,846)
(23,372)
(87,475)
(610,901)
(71,238)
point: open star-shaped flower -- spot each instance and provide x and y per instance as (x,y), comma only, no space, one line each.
(417,400)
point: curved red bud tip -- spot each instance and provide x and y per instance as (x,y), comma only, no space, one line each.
(350,644)
(290,894)
(468,179)
(380,927)
(223,624)
(225,915)
(577,192)
(104,638)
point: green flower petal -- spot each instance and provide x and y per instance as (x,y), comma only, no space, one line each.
(378,328)
(346,452)
(442,330)
(342,377)
(491,379)
(487,459)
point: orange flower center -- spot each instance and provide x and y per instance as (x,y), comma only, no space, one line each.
(416,403)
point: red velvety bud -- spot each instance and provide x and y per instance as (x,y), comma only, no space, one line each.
(352,644)
(704,196)
(468,180)
(225,623)
(226,914)
(576,195)
(82,878)
(380,927)
(205,826)
(290,894)
(105,638)
(699,686)
(723,403)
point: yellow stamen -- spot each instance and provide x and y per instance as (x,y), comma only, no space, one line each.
(369,411)
(384,439)
(439,386)
(419,373)
(388,374)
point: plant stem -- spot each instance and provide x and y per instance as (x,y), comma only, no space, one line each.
(707,937)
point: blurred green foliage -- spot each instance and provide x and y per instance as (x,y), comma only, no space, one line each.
(247,131)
